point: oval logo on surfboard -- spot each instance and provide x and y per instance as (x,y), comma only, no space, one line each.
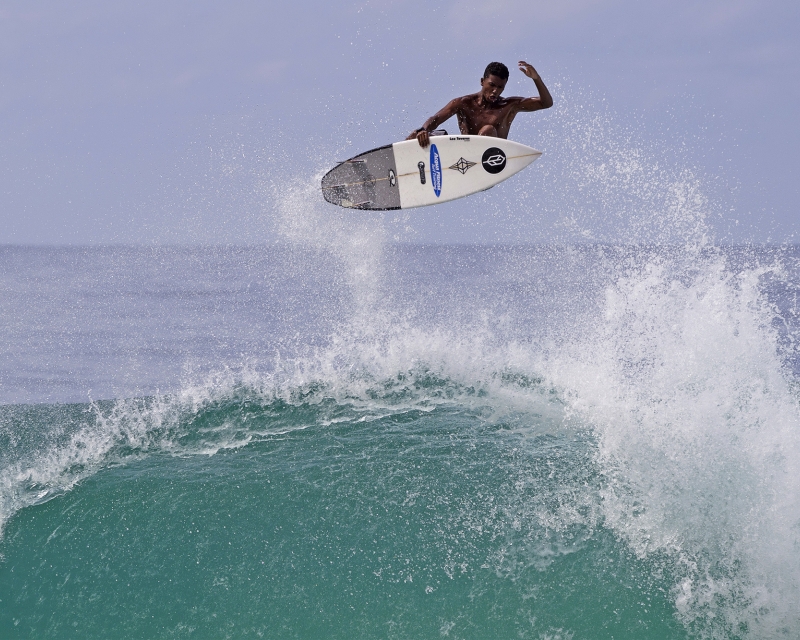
(493,160)
(436,171)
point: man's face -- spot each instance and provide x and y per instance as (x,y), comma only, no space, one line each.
(491,87)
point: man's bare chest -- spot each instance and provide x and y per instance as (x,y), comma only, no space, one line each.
(483,116)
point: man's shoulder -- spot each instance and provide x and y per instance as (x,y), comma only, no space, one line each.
(512,103)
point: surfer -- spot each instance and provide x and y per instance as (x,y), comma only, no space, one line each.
(487,113)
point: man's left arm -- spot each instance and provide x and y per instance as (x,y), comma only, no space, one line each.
(545,100)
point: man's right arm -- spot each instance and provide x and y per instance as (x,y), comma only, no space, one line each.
(450,109)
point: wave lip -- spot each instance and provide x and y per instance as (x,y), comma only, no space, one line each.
(234,408)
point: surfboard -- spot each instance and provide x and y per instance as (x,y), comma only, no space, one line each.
(404,175)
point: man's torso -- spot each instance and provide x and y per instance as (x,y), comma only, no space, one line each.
(472,116)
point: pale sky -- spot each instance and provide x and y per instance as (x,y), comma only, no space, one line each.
(189,122)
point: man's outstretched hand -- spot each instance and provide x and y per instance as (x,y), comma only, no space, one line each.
(528,70)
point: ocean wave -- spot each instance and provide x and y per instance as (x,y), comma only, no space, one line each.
(681,378)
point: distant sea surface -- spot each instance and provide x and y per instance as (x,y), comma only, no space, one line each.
(400,441)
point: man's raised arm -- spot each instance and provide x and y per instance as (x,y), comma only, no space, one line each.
(545,100)
(434,121)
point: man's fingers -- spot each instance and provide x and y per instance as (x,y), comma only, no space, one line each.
(528,69)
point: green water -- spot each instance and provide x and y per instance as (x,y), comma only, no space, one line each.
(414,525)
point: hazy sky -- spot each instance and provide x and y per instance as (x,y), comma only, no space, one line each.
(177,121)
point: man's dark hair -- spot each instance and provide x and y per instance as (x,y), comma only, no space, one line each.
(496,69)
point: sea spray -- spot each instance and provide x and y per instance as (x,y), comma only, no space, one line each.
(699,436)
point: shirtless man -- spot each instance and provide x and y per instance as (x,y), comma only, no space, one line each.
(486,113)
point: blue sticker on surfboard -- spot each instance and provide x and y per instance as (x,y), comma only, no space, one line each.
(436,171)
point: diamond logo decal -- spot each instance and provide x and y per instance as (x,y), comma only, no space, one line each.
(462,165)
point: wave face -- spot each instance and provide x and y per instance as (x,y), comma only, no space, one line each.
(344,438)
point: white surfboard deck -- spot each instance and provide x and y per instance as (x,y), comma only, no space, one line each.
(404,175)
